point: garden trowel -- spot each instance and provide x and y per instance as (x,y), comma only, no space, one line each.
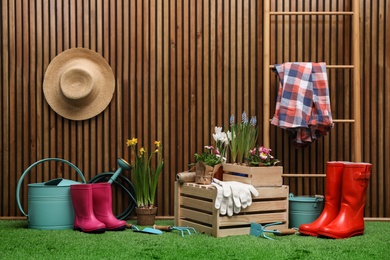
(145,230)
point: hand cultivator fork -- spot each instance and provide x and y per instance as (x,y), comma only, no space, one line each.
(260,230)
(171,228)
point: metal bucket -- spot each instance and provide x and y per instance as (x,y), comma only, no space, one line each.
(49,203)
(304,209)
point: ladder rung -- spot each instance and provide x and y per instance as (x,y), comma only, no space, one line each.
(339,120)
(343,120)
(311,13)
(329,66)
(340,66)
(302,175)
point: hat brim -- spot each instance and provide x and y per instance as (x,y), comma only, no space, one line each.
(103,83)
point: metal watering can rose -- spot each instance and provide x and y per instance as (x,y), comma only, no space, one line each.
(49,203)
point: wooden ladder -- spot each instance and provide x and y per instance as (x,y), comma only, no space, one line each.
(355,66)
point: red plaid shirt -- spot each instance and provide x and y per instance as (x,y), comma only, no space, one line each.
(303,104)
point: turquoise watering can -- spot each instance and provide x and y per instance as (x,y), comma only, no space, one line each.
(49,203)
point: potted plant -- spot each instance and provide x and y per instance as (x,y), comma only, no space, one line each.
(146,169)
(208,164)
(261,156)
(242,137)
(246,161)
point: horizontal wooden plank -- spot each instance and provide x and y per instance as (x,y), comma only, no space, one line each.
(228,167)
(210,192)
(311,13)
(272,192)
(257,218)
(196,204)
(259,206)
(329,66)
(246,230)
(196,215)
(303,175)
(204,192)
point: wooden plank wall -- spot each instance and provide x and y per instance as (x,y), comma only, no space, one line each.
(181,68)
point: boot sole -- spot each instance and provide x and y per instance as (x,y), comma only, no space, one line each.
(94,231)
(307,233)
(330,235)
(121,228)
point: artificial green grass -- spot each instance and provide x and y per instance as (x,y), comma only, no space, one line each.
(19,242)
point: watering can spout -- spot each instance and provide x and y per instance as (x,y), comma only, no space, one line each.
(123,165)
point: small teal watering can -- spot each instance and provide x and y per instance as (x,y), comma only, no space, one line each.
(49,203)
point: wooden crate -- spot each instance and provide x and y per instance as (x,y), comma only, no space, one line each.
(256,176)
(194,207)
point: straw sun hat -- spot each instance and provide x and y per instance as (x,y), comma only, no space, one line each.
(78,84)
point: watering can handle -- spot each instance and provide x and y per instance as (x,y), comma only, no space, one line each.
(33,165)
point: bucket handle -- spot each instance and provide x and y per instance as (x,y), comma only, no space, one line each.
(33,165)
(318,198)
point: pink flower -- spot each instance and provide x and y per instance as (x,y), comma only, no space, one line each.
(263,156)
(264,150)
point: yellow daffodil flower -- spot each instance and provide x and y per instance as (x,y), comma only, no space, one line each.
(132,141)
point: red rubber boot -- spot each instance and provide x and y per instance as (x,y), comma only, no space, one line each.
(334,174)
(102,207)
(350,220)
(84,220)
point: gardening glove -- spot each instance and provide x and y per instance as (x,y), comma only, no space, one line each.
(228,197)
(224,198)
(230,205)
(242,194)
(219,198)
(236,198)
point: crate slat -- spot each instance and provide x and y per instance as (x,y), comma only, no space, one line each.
(272,193)
(197,204)
(256,176)
(204,191)
(266,206)
(263,218)
(196,215)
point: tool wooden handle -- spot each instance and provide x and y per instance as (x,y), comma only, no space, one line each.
(128,225)
(163,228)
(284,232)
